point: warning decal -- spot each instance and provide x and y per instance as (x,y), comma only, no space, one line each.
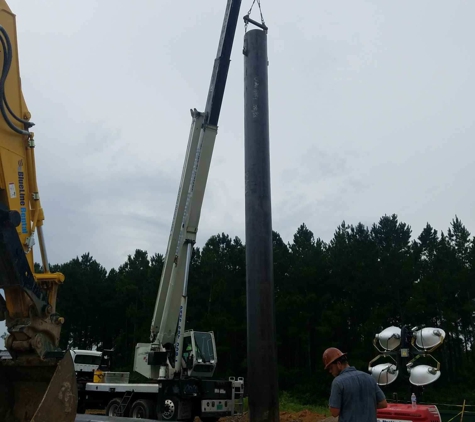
(12,188)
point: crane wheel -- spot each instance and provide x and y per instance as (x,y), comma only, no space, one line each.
(168,410)
(142,409)
(113,407)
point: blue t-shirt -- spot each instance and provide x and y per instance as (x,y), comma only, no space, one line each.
(356,394)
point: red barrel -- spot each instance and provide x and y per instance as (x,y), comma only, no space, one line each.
(405,412)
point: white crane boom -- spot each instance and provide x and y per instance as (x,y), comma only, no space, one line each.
(167,330)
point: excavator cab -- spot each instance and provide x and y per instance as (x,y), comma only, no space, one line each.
(38,383)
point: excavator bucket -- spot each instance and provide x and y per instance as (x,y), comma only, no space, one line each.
(35,390)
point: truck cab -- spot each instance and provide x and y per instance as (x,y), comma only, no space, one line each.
(86,362)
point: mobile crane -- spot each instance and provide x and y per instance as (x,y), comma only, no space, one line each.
(38,384)
(180,363)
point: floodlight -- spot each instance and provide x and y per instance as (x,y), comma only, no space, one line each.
(384,373)
(428,338)
(389,338)
(423,375)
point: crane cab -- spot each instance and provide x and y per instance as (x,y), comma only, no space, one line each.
(199,354)
(198,357)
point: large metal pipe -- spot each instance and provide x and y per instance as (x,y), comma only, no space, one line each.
(261,346)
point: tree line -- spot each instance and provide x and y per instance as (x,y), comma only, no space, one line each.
(339,293)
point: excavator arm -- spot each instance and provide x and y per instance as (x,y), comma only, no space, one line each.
(37,375)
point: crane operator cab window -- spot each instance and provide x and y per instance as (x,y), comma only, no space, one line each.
(204,362)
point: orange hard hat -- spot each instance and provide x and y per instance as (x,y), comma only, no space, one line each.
(331,355)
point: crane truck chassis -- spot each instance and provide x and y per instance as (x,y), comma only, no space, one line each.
(164,400)
(169,400)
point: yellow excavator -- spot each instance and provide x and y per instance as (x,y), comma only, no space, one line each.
(38,383)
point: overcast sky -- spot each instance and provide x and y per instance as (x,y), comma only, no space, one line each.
(371,110)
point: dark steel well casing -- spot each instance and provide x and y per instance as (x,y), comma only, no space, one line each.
(261,347)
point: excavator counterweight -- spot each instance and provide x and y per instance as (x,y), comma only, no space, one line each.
(38,383)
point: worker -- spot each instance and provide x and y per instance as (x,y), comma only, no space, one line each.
(187,355)
(355,395)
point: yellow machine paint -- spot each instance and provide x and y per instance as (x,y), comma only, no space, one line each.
(98,376)
(37,384)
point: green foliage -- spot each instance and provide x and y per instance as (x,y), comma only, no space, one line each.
(291,403)
(81,302)
(109,310)
(336,294)
(217,292)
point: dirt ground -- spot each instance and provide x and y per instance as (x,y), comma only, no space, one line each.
(303,416)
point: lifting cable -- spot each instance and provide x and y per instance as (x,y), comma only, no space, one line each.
(7,61)
(248,20)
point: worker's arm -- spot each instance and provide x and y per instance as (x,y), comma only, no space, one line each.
(381,402)
(335,399)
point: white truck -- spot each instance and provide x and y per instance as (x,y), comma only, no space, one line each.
(179,364)
(86,360)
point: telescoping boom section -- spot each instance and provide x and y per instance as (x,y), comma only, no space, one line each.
(167,331)
(174,352)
